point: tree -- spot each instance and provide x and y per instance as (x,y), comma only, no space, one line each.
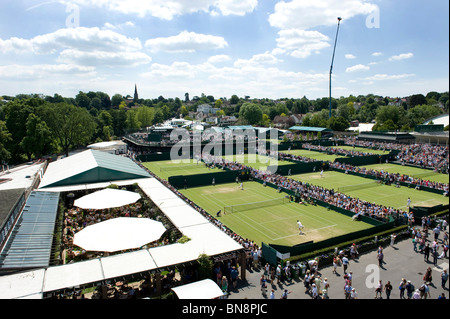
(145,116)
(338,123)
(132,123)
(234,99)
(417,99)
(96,103)
(118,121)
(186,97)
(38,140)
(421,113)
(388,112)
(183,111)
(83,100)
(116,100)
(250,113)
(16,115)
(5,136)
(205,266)
(218,103)
(71,125)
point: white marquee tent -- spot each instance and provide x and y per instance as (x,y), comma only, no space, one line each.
(107,198)
(204,289)
(120,233)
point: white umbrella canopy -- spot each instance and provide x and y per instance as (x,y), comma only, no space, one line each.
(107,198)
(120,233)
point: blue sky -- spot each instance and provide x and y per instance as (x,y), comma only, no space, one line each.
(259,48)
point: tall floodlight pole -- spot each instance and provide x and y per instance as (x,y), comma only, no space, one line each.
(332,60)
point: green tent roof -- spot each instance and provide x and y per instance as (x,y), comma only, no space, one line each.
(91,167)
(309,129)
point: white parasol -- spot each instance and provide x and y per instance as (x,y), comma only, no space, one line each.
(120,233)
(107,198)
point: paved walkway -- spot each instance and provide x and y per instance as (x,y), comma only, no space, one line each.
(401,261)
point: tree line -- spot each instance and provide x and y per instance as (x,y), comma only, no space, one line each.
(32,126)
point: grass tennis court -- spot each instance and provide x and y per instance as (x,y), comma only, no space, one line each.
(165,169)
(362,149)
(256,161)
(367,189)
(410,171)
(319,156)
(271,224)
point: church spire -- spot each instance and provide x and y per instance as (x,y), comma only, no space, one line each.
(136,96)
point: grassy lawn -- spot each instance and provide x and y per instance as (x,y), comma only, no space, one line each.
(313,154)
(362,149)
(256,161)
(366,189)
(165,169)
(410,171)
(274,224)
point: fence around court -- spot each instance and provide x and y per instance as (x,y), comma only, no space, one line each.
(206,179)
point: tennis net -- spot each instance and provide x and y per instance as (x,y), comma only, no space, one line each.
(255,205)
(346,189)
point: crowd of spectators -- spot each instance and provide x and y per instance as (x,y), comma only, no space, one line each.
(391,178)
(335,150)
(423,155)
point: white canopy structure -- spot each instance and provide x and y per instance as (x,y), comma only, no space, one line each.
(206,238)
(204,289)
(107,198)
(119,234)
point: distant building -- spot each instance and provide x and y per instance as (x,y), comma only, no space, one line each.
(136,95)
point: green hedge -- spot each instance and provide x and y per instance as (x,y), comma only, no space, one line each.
(363,244)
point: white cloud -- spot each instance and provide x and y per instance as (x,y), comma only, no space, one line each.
(186,42)
(380,77)
(402,56)
(104,58)
(358,67)
(219,58)
(306,14)
(258,59)
(261,79)
(350,56)
(167,10)
(236,7)
(301,43)
(43,71)
(75,38)
(110,26)
(377,54)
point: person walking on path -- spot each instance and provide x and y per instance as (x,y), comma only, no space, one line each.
(345,263)
(336,262)
(424,291)
(402,288)
(426,252)
(444,278)
(436,232)
(347,290)
(380,257)
(409,289)
(393,236)
(388,290)
(428,277)
(378,290)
